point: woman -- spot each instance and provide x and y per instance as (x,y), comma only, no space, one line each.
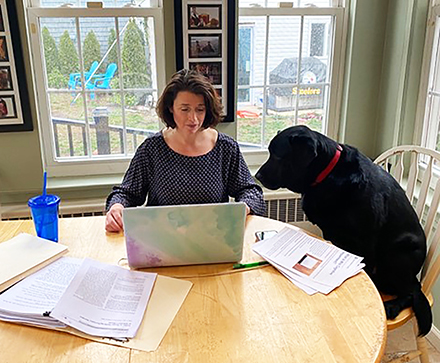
(189,161)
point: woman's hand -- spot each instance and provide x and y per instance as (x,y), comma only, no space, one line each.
(113,220)
(248,210)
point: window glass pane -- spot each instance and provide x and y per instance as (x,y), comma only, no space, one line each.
(311,105)
(105,120)
(282,62)
(281,106)
(316,49)
(61,55)
(141,119)
(68,124)
(135,52)
(250,120)
(251,50)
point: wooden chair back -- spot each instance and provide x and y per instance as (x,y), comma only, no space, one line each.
(417,170)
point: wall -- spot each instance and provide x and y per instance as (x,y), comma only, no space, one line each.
(403,53)
(366,36)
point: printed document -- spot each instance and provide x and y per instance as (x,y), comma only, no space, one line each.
(312,264)
(105,300)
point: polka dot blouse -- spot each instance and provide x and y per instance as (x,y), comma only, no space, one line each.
(163,177)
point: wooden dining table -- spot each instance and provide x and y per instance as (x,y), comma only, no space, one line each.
(242,315)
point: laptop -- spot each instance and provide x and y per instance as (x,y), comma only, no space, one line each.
(184,234)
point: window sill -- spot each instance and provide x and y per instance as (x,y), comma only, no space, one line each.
(83,181)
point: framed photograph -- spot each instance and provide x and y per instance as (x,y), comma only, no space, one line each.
(2,24)
(211,70)
(204,16)
(5,78)
(219,92)
(8,108)
(4,57)
(205,45)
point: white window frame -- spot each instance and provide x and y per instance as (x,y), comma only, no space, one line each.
(81,166)
(425,131)
(338,12)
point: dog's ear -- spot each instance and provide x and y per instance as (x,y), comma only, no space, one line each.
(304,146)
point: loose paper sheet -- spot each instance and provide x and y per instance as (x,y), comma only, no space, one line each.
(165,302)
(312,264)
(105,300)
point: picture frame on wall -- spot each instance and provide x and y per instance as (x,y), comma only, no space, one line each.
(15,112)
(5,78)
(8,107)
(2,23)
(205,33)
(4,57)
(205,45)
(211,70)
(204,16)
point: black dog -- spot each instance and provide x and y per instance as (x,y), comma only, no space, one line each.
(359,207)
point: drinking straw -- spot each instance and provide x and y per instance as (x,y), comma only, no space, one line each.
(44,183)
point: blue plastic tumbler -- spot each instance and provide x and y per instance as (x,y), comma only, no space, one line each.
(44,209)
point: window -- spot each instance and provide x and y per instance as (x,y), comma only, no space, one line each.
(98,75)
(430,90)
(289,62)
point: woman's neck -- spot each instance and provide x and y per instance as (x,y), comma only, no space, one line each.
(187,144)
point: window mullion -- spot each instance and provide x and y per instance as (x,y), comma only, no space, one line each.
(121,85)
(326,116)
(298,71)
(266,56)
(83,86)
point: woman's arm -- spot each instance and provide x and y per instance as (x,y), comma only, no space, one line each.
(242,186)
(132,191)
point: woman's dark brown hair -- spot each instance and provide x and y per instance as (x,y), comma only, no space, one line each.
(190,81)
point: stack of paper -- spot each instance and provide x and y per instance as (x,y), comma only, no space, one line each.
(93,297)
(310,263)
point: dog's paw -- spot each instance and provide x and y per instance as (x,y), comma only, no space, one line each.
(392,309)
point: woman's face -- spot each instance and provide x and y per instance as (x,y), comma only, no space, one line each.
(189,111)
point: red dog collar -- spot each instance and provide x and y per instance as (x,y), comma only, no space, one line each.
(329,167)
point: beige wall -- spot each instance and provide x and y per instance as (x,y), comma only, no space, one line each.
(366,37)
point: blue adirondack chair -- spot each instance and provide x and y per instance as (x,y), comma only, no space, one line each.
(75,78)
(102,81)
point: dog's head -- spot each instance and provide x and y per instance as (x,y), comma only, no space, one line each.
(290,154)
